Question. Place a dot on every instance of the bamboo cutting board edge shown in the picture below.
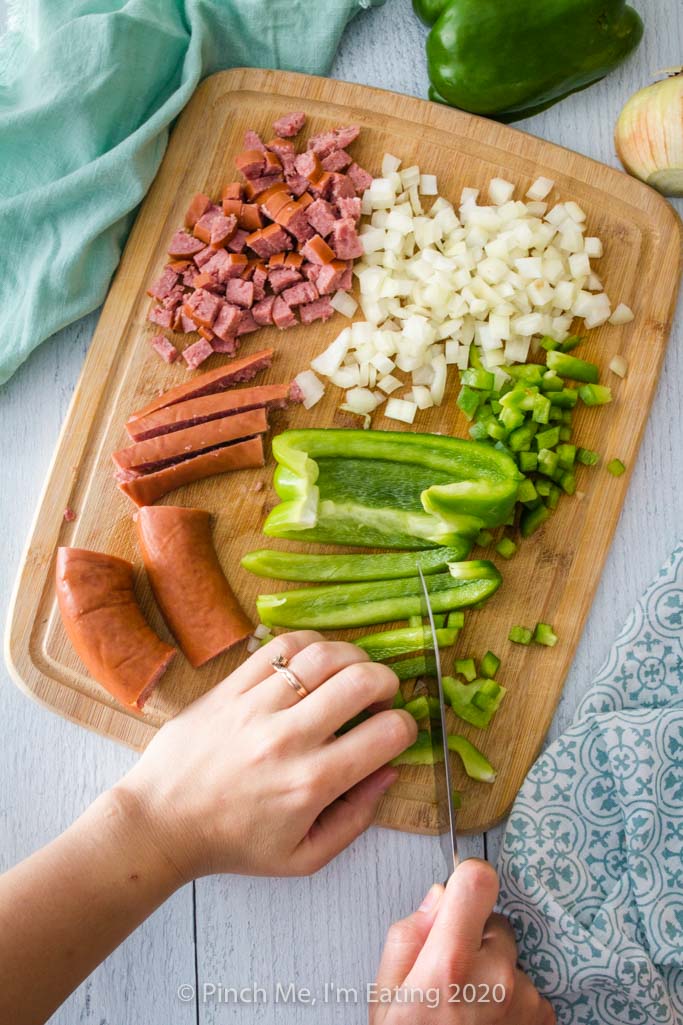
(25, 664)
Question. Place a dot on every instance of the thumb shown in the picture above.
(342, 821)
(406, 939)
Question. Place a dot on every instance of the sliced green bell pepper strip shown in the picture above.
(341, 606)
(388, 488)
(310, 568)
(404, 641)
(511, 60)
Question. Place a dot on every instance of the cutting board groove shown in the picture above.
(552, 578)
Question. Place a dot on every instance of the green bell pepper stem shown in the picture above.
(476, 702)
(385, 488)
(475, 764)
(404, 641)
(341, 606)
(572, 367)
(310, 568)
(515, 59)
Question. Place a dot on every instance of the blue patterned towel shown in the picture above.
(592, 861)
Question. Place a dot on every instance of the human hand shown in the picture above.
(453, 962)
(251, 779)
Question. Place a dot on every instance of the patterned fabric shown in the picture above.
(592, 861)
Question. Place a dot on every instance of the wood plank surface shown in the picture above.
(552, 579)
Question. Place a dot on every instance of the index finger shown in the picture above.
(458, 932)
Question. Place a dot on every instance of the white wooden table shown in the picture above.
(243, 932)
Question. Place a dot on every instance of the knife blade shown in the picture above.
(439, 735)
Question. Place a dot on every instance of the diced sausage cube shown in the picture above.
(247, 323)
(349, 207)
(197, 208)
(164, 348)
(251, 163)
(303, 292)
(361, 179)
(158, 315)
(263, 311)
(238, 242)
(164, 285)
(226, 323)
(252, 140)
(320, 309)
(330, 277)
(195, 354)
(317, 250)
(222, 230)
(203, 307)
(183, 244)
(337, 160)
(240, 292)
(270, 240)
(283, 277)
(321, 216)
(289, 124)
(283, 315)
(345, 240)
(339, 138)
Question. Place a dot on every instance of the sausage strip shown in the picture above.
(206, 408)
(189, 585)
(238, 370)
(105, 624)
(155, 453)
(152, 486)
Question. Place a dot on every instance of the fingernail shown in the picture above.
(430, 901)
(383, 779)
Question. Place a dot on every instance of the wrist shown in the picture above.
(132, 829)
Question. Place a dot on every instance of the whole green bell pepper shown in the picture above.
(512, 59)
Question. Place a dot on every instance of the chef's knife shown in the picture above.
(439, 736)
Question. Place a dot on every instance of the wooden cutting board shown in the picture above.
(553, 576)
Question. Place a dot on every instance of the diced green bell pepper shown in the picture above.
(572, 367)
(520, 635)
(489, 665)
(475, 702)
(544, 634)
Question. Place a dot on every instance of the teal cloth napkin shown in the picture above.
(88, 90)
(592, 860)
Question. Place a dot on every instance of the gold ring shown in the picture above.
(281, 665)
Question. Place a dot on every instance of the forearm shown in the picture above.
(63, 910)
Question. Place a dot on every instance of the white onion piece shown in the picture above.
(400, 409)
(253, 644)
(618, 366)
(261, 631)
(623, 314)
(540, 188)
(497, 274)
(311, 387)
(344, 303)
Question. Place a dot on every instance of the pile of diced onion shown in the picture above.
(498, 275)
